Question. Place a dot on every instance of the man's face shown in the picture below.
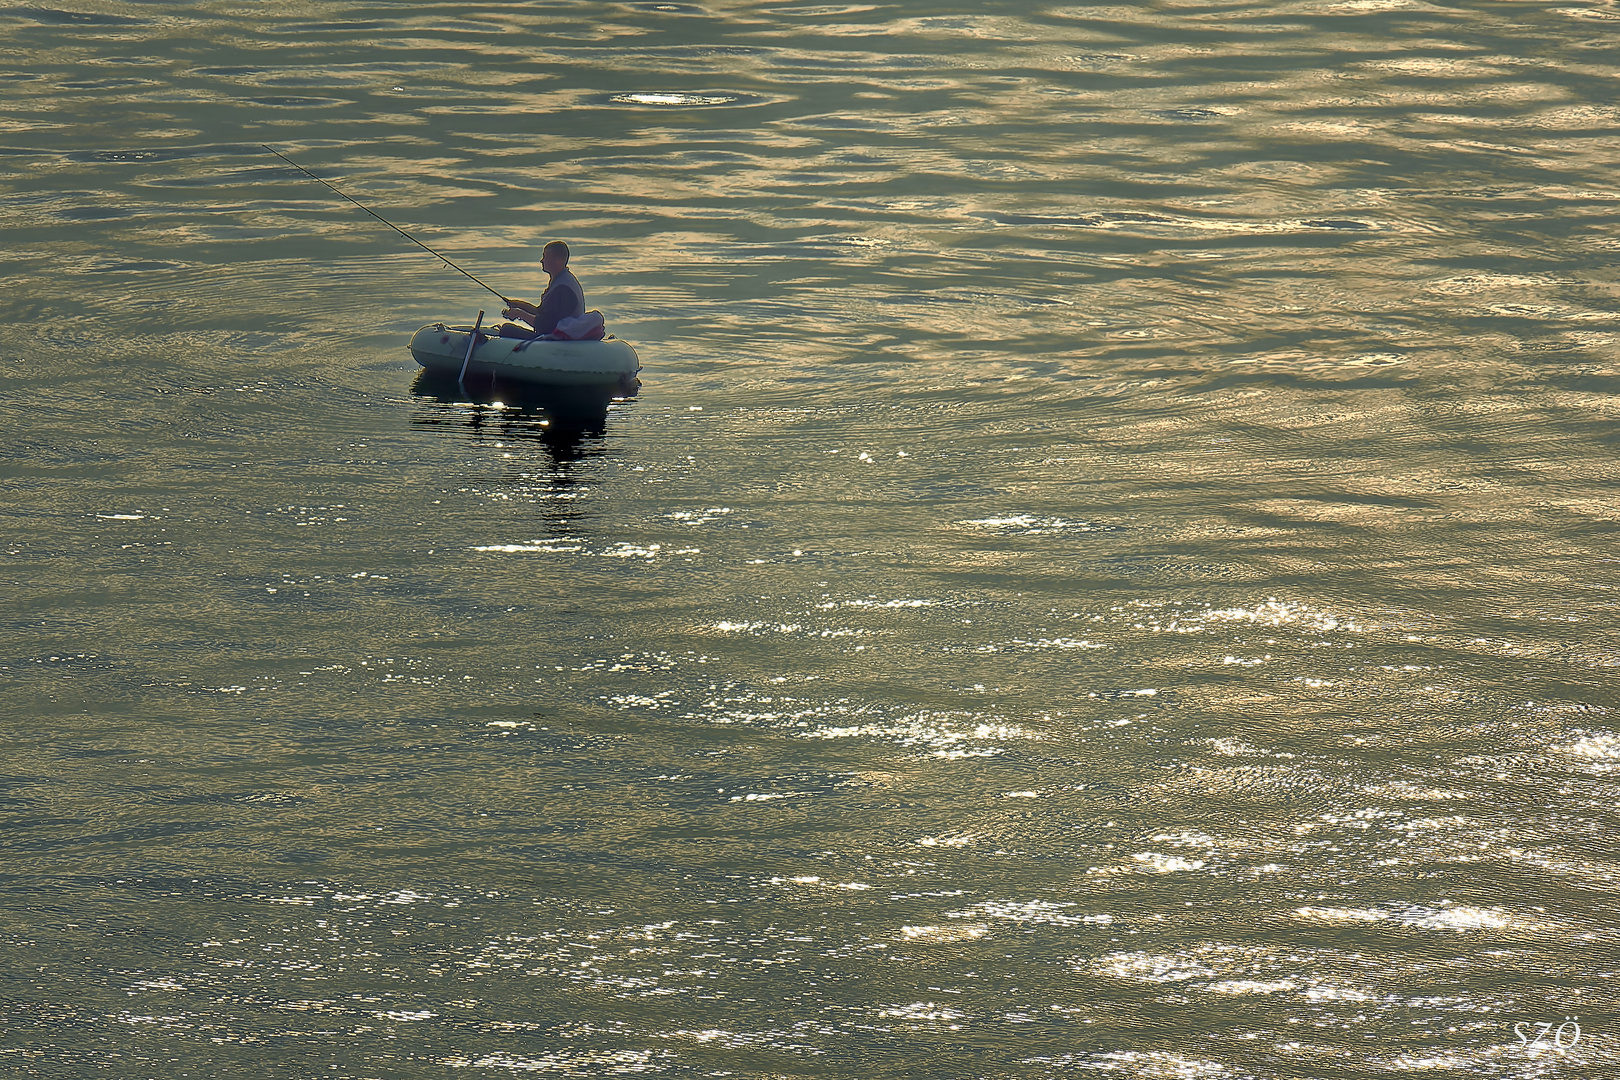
(552, 262)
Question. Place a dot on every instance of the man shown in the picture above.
(563, 298)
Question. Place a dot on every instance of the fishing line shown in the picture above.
(382, 219)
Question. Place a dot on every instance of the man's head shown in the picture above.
(554, 257)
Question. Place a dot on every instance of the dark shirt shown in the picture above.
(559, 302)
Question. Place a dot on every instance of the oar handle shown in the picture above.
(472, 343)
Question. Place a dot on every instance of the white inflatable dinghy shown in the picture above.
(441, 349)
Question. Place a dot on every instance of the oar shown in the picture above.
(472, 343)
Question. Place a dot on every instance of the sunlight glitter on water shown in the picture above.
(1150, 612)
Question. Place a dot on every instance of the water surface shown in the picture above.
(1110, 569)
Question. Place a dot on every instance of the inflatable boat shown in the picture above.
(441, 350)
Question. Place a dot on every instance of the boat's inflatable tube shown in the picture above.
(441, 349)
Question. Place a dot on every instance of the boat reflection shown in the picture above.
(569, 421)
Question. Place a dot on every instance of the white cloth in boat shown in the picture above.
(587, 327)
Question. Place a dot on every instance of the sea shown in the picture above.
(1110, 569)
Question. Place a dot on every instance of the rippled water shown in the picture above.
(1111, 569)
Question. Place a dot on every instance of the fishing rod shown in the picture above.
(382, 219)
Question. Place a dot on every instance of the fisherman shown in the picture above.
(563, 298)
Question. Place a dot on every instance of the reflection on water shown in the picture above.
(569, 421)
